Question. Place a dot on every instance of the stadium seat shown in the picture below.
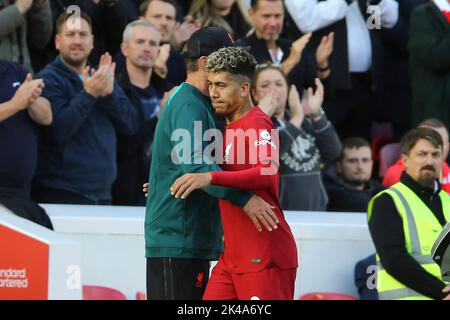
(102, 293)
(326, 296)
(380, 135)
(389, 154)
(376, 145)
(381, 130)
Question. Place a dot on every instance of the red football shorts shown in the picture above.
(267, 284)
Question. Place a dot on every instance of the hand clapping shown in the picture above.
(100, 83)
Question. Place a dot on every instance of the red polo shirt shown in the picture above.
(394, 172)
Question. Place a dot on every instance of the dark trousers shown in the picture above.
(52, 195)
(352, 111)
(176, 279)
(361, 277)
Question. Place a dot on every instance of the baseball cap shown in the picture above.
(206, 40)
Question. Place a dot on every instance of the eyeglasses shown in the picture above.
(269, 65)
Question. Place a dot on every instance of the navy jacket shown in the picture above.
(133, 165)
(302, 75)
(18, 137)
(78, 152)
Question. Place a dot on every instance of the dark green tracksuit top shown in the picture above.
(188, 228)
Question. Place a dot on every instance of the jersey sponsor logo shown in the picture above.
(226, 158)
(265, 136)
(265, 142)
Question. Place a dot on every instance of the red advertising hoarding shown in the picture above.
(24, 263)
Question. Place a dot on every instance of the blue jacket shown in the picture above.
(78, 151)
(18, 137)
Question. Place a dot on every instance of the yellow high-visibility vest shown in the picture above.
(421, 229)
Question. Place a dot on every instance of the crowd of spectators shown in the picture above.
(362, 66)
(97, 146)
(79, 106)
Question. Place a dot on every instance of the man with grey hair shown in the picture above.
(183, 236)
(145, 90)
(254, 264)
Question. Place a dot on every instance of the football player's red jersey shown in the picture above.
(251, 163)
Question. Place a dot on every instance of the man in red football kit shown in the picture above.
(394, 172)
(255, 264)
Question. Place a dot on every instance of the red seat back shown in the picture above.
(102, 293)
(141, 295)
(326, 296)
(389, 154)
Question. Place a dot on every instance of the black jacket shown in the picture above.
(133, 165)
(108, 24)
(429, 47)
(386, 228)
(344, 197)
(394, 88)
(303, 74)
(340, 74)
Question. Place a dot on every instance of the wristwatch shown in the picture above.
(323, 69)
(316, 116)
(110, 3)
(373, 2)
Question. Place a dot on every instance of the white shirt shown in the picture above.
(276, 60)
(358, 40)
(312, 15)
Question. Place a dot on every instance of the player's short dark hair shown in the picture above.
(190, 64)
(144, 6)
(410, 139)
(63, 17)
(352, 143)
(234, 60)
(254, 3)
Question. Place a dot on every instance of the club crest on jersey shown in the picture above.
(226, 157)
(265, 139)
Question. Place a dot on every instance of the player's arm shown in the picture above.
(249, 179)
(192, 156)
(258, 210)
(262, 175)
(263, 151)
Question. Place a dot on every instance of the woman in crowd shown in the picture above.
(306, 137)
(229, 14)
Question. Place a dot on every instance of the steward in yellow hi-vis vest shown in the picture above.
(406, 219)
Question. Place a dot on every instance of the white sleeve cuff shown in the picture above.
(389, 13)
